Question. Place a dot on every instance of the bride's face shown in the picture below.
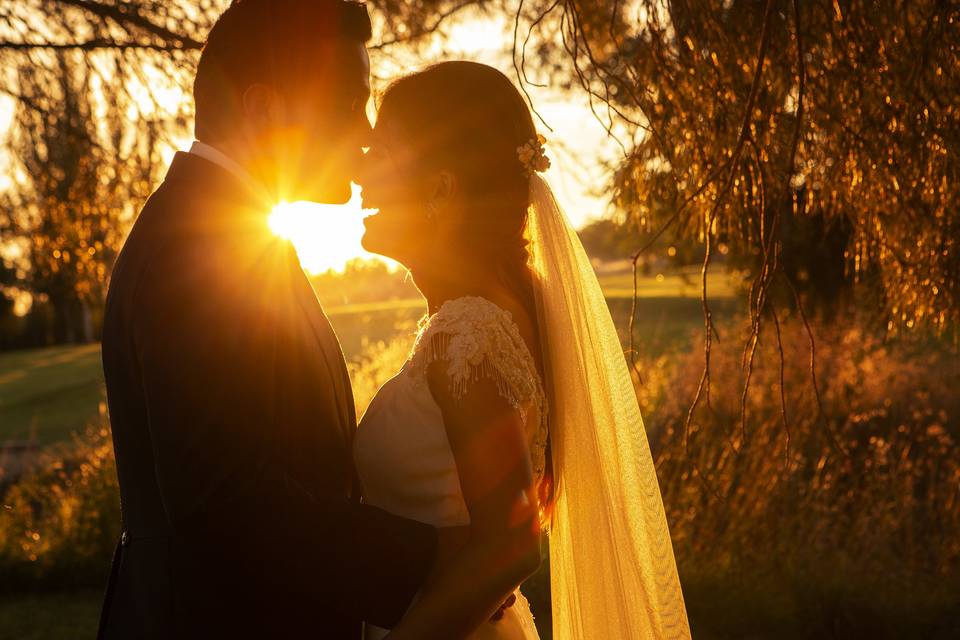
(393, 184)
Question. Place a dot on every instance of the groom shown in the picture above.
(231, 408)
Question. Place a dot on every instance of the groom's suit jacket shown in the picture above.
(233, 423)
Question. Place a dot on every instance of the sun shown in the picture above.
(325, 236)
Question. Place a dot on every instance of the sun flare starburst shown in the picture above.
(325, 236)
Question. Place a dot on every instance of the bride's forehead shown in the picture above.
(386, 131)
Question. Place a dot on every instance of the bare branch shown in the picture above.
(520, 70)
(708, 252)
(128, 17)
(99, 43)
(435, 26)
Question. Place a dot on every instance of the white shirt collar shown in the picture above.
(217, 157)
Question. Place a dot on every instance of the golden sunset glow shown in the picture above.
(719, 360)
(325, 236)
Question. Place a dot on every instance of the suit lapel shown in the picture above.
(237, 207)
(330, 349)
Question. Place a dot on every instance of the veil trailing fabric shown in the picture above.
(613, 571)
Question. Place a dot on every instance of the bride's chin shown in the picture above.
(388, 236)
(367, 243)
(371, 241)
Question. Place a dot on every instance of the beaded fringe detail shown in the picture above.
(479, 340)
(460, 380)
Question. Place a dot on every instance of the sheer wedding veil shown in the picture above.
(613, 571)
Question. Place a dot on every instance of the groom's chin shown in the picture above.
(365, 242)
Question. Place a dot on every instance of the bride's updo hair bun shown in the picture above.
(469, 119)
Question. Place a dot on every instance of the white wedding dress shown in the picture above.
(401, 448)
(613, 574)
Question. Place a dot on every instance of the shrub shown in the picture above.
(59, 523)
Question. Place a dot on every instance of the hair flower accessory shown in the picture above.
(532, 156)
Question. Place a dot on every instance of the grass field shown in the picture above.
(48, 394)
(57, 616)
(839, 559)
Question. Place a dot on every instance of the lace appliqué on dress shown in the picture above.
(479, 340)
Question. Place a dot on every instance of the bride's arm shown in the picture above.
(502, 543)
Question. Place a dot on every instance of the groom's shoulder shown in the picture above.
(196, 232)
(189, 188)
(200, 205)
(196, 185)
(191, 234)
(168, 228)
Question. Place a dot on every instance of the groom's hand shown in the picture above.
(450, 540)
(503, 608)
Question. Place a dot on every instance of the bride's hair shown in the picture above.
(469, 119)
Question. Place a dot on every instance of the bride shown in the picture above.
(515, 412)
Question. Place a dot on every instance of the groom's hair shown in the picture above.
(274, 42)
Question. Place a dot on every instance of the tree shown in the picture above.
(745, 120)
(7, 318)
(100, 87)
(86, 171)
(758, 118)
(739, 119)
(88, 79)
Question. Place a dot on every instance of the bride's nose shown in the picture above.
(364, 131)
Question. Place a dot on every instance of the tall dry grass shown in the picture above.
(378, 362)
(851, 530)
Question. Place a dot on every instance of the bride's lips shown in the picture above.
(368, 204)
(369, 207)
(369, 212)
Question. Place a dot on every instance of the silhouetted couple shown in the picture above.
(253, 505)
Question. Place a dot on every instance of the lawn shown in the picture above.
(57, 616)
(48, 394)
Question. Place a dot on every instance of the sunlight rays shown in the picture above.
(325, 236)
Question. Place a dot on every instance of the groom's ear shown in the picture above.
(441, 189)
(262, 106)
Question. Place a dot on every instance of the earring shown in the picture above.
(431, 210)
